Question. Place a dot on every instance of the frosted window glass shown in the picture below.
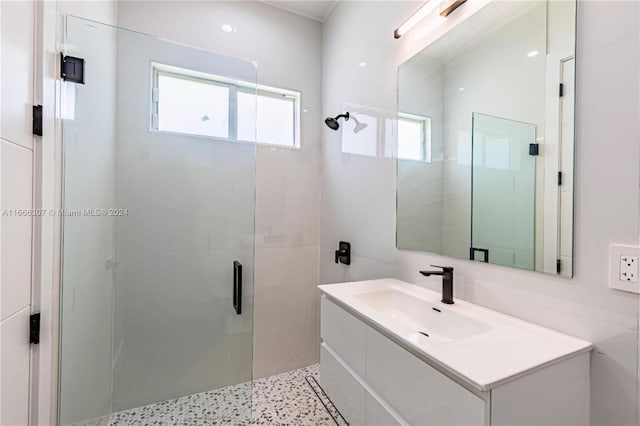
(275, 121)
(247, 116)
(194, 107)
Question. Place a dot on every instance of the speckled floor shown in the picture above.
(284, 399)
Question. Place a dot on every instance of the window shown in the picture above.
(414, 137)
(195, 103)
(276, 121)
(192, 106)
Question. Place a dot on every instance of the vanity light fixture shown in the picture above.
(449, 8)
(415, 18)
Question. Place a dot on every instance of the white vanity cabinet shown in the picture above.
(375, 378)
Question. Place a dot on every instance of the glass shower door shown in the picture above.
(503, 192)
(158, 232)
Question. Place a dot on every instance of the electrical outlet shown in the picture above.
(623, 268)
(628, 268)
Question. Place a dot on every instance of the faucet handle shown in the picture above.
(444, 268)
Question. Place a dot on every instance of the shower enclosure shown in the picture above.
(503, 192)
(158, 227)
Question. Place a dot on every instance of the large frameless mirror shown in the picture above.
(486, 139)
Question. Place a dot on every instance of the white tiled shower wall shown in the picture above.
(358, 197)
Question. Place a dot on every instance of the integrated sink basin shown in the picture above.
(436, 321)
(479, 346)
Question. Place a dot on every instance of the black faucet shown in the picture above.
(447, 282)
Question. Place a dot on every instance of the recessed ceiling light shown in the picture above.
(533, 53)
(227, 28)
(461, 89)
(305, 110)
(362, 64)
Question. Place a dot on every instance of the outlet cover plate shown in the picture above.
(616, 279)
(629, 268)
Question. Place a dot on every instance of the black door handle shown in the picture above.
(237, 287)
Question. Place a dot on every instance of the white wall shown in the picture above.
(287, 49)
(359, 192)
(16, 159)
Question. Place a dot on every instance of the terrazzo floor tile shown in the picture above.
(284, 399)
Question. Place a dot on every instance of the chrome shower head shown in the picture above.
(333, 123)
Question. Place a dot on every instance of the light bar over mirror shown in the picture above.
(446, 8)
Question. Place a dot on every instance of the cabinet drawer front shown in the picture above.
(418, 392)
(344, 333)
(342, 388)
(555, 395)
(376, 415)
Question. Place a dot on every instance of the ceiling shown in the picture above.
(314, 9)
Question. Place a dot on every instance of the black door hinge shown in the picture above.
(558, 266)
(534, 149)
(561, 90)
(72, 69)
(34, 328)
(559, 178)
(37, 120)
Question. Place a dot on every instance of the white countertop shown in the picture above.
(487, 348)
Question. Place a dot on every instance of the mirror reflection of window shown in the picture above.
(414, 137)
